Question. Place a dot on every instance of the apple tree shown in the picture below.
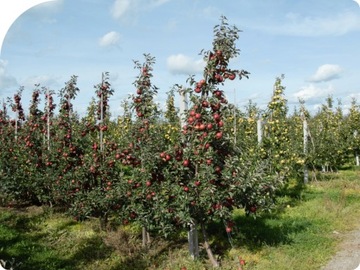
(140, 150)
(328, 150)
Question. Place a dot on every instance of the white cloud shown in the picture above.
(120, 7)
(326, 73)
(6, 80)
(110, 39)
(313, 93)
(182, 64)
(297, 25)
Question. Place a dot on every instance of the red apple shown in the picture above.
(215, 107)
(218, 93)
(219, 78)
(125, 221)
(218, 135)
(232, 76)
(216, 117)
(205, 104)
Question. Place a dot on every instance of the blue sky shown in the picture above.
(314, 43)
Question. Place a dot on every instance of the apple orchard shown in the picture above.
(168, 170)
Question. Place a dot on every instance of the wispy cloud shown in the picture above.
(6, 80)
(157, 3)
(120, 7)
(43, 80)
(182, 64)
(111, 39)
(294, 24)
(326, 73)
(124, 8)
(45, 11)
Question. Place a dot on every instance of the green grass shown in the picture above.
(302, 233)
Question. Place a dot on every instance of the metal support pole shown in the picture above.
(48, 119)
(193, 237)
(259, 131)
(101, 114)
(306, 137)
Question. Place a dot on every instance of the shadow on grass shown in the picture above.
(273, 229)
(22, 240)
(26, 249)
(256, 233)
(152, 256)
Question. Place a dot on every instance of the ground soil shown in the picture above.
(348, 255)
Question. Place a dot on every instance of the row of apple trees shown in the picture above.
(165, 169)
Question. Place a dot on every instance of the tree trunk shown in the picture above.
(103, 222)
(145, 237)
(208, 248)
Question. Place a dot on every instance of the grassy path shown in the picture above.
(348, 255)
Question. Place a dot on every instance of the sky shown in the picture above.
(314, 43)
